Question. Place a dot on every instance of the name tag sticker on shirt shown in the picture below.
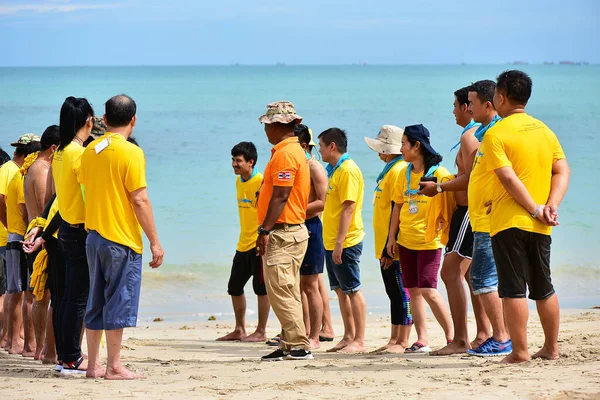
(101, 146)
(413, 208)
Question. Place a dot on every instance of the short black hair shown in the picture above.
(484, 89)
(246, 149)
(4, 157)
(515, 85)
(337, 136)
(462, 95)
(29, 148)
(120, 110)
(303, 134)
(51, 136)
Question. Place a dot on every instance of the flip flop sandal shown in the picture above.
(418, 347)
(274, 341)
(325, 339)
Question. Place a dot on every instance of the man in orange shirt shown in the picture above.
(282, 235)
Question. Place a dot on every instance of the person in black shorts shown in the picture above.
(246, 263)
(533, 174)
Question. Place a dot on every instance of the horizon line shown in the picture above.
(281, 64)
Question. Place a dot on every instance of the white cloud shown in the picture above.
(56, 6)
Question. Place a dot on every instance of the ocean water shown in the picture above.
(190, 117)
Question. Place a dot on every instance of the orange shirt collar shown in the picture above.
(284, 143)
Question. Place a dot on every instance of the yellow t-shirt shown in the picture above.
(66, 166)
(414, 225)
(382, 206)
(7, 172)
(345, 184)
(530, 148)
(109, 178)
(14, 197)
(246, 199)
(481, 184)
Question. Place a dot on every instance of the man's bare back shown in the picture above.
(35, 187)
(318, 189)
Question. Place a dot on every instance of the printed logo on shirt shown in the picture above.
(284, 176)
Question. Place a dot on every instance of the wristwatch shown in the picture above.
(439, 187)
(263, 231)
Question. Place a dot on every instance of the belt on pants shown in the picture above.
(284, 227)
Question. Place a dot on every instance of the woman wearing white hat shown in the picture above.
(387, 144)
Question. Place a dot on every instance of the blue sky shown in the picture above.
(222, 32)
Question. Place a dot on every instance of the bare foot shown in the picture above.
(477, 342)
(122, 374)
(396, 349)
(343, 343)
(353, 347)
(515, 359)
(547, 354)
(16, 348)
(458, 347)
(385, 347)
(255, 337)
(235, 335)
(49, 360)
(28, 353)
(38, 355)
(314, 344)
(98, 372)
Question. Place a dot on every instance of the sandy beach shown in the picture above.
(184, 361)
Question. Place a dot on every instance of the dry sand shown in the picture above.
(184, 361)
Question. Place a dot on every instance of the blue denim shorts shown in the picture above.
(115, 283)
(347, 275)
(483, 276)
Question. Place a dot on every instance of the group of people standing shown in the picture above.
(73, 204)
(494, 218)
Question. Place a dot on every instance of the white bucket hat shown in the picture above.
(388, 140)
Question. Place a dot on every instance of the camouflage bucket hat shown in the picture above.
(280, 111)
(99, 128)
(25, 139)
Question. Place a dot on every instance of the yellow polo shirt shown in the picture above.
(7, 172)
(246, 198)
(14, 197)
(66, 167)
(345, 184)
(109, 177)
(414, 225)
(530, 148)
(382, 206)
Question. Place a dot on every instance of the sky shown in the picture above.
(313, 32)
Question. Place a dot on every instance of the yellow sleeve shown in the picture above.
(349, 185)
(20, 189)
(135, 174)
(398, 192)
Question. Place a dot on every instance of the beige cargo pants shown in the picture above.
(281, 264)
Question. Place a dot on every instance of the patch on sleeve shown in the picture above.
(284, 176)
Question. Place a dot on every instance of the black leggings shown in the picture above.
(399, 297)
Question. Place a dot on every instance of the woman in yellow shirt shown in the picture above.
(420, 258)
(76, 121)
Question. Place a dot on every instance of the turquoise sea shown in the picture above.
(190, 117)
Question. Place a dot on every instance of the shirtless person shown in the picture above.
(35, 191)
(315, 301)
(459, 249)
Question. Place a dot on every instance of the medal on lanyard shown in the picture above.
(413, 207)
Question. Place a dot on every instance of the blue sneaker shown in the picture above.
(492, 348)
